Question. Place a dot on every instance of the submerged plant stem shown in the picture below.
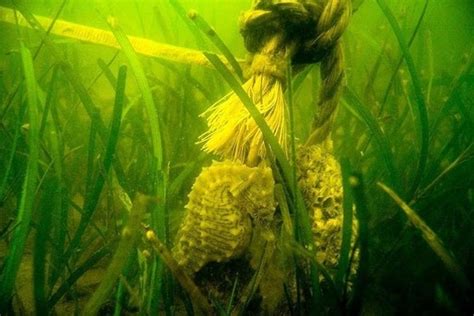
(25, 210)
(358, 194)
(186, 282)
(344, 258)
(431, 238)
(130, 235)
(359, 110)
(420, 101)
(201, 24)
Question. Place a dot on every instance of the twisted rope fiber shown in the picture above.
(331, 25)
(323, 45)
(277, 33)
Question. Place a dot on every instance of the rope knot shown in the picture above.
(314, 26)
(275, 34)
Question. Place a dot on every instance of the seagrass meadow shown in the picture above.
(238, 157)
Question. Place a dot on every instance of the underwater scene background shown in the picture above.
(125, 189)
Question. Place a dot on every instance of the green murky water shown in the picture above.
(104, 203)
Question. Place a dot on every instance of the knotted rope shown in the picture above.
(277, 33)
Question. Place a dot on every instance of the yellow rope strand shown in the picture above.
(233, 133)
(101, 37)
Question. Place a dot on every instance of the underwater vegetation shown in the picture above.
(280, 157)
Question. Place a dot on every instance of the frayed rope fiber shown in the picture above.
(277, 33)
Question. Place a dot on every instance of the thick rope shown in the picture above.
(275, 33)
(105, 38)
(331, 25)
(332, 76)
(319, 26)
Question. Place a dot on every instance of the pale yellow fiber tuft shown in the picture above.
(233, 133)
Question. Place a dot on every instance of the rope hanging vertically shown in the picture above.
(277, 33)
(331, 25)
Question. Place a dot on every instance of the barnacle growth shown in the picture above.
(224, 201)
(319, 178)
